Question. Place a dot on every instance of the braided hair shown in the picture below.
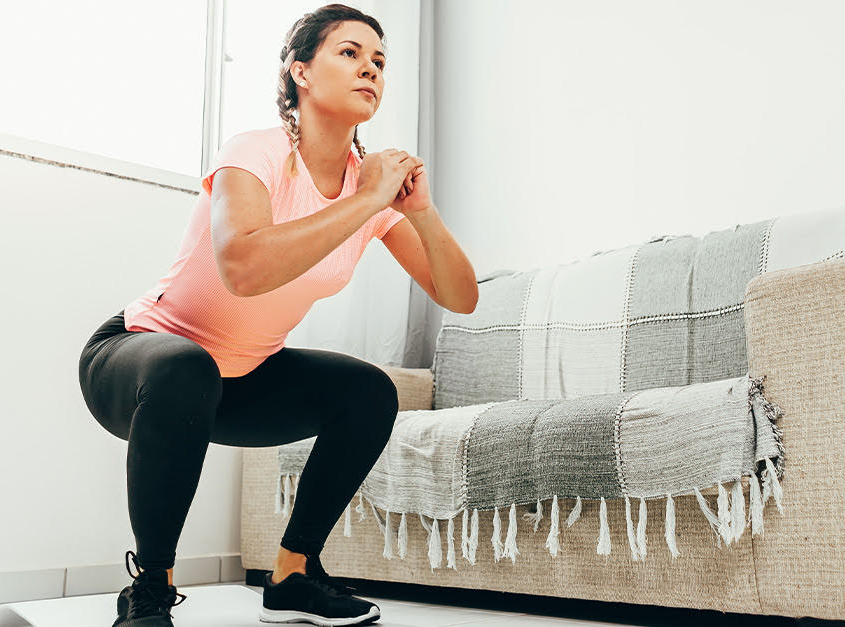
(301, 44)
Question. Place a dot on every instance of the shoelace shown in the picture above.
(145, 599)
(316, 570)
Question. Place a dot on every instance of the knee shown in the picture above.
(378, 395)
(188, 375)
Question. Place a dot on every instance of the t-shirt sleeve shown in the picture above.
(391, 217)
(247, 151)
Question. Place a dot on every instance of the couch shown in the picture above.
(787, 278)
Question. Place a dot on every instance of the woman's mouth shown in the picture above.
(366, 93)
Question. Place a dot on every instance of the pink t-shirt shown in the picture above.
(241, 332)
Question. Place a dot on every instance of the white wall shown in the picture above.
(77, 246)
(623, 120)
(565, 127)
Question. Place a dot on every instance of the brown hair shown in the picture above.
(301, 44)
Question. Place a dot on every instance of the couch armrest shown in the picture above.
(414, 385)
(795, 336)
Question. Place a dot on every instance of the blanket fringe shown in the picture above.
(537, 516)
(450, 552)
(728, 524)
(670, 527)
(708, 513)
(403, 537)
(773, 485)
(603, 547)
(510, 541)
(497, 535)
(641, 542)
(772, 412)
(724, 515)
(473, 539)
(464, 538)
(360, 507)
(738, 520)
(575, 514)
(553, 540)
(435, 551)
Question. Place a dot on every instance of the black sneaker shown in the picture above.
(302, 598)
(147, 602)
(314, 568)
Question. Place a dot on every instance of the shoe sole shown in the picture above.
(294, 616)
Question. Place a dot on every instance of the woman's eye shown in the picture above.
(380, 64)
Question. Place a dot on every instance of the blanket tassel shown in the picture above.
(670, 527)
(641, 523)
(708, 513)
(360, 507)
(603, 547)
(435, 554)
(773, 486)
(497, 535)
(464, 538)
(553, 541)
(575, 513)
(535, 517)
(450, 552)
(724, 515)
(738, 521)
(511, 550)
(403, 537)
(473, 537)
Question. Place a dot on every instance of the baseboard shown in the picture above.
(54, 583)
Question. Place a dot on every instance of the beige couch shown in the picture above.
(795, 333)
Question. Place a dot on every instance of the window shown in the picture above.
(118, 79)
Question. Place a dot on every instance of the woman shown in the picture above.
(200, 358)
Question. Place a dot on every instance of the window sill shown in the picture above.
(22, 148)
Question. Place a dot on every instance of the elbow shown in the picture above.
(467, 311)
(234, 279)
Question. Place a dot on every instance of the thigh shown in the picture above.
(118, 369)
(293, 393)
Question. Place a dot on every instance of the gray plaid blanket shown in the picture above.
(655, 443)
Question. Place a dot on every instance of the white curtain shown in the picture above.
(382, 315)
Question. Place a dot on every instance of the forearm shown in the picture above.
(278, 254)
(452, 274)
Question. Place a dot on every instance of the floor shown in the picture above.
(236, 604)
(428, 606)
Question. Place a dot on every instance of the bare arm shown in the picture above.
(272, 256)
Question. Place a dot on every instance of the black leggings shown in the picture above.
(163, 394)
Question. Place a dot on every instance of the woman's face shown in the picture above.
(340, 69)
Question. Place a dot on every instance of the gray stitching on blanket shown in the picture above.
(617, 443)
(524, 308)
(625, 321)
